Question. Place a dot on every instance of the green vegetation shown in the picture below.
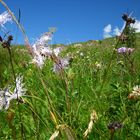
(90, 90)
(96, 81)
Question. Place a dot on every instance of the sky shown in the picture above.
(75, 20)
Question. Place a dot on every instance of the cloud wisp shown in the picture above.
(107, 31)
(136, 25)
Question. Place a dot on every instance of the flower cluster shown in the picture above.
(42, 50)
(4, 18)
(124, 50)
(6, 95)
(61, 64)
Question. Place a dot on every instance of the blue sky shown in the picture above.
(75, 20)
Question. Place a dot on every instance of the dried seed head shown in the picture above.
(54, 135)
(64, 129)
(135, 93)
(93, 118)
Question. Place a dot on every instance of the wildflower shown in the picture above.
(114, 126)
(4, 99)
(98, 65)
(38, 60)
(124, 50)
(129, 50)
(61, 64)
(4, 18)
(41, 49)
(43, 40)
(19, 90)
(57, 50)
(93, 118)
(135, 93)
(41, 43)
(6, 95)
(81, 54)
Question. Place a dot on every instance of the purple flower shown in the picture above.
(122, 50)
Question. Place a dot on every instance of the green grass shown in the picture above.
(89, 88)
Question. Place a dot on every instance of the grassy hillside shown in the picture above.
(93, 92)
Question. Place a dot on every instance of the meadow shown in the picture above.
(86, 90)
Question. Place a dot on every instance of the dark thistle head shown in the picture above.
(1, 39)
(128, 19)
(125, 17)
(114, 126)
(7, 43)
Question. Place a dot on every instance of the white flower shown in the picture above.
(41, 49)
(46, 51)
(4, 102)
(19, 90)
(6, 95)
(5, 17)
(43, 40)
(61, 64)
(39, 60)
(98, 65)
(57, 50)
(41, 55)
(81, 54)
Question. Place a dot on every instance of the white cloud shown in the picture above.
(117, 31)
(137, 25)
(107, 28)
(107, 31)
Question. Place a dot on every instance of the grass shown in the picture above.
(88, 89)
(89, 100)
